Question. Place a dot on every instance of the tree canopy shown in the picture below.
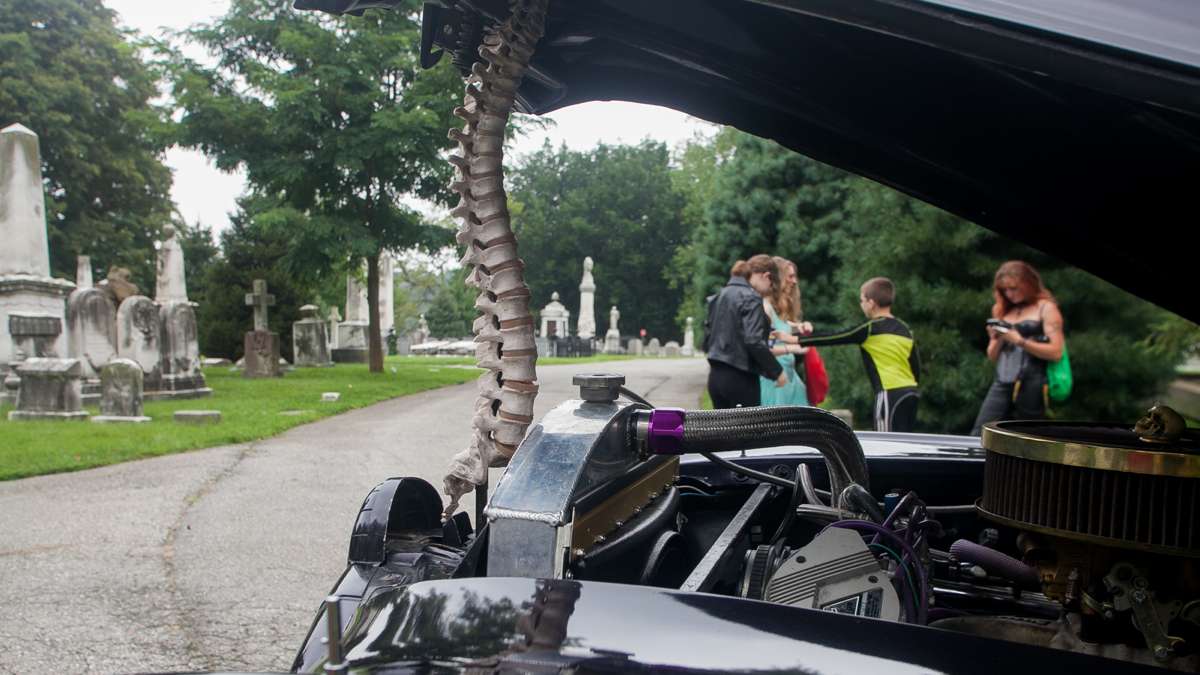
(335, 124)
(615, 203)
(69, 74)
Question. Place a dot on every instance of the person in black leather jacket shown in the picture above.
(737, 334)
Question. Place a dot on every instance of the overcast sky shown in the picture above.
(206, 195)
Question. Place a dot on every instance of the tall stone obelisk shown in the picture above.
(32, 310)
(586, 326)
(181, 374)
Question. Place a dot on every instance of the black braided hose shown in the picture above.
(707, 431)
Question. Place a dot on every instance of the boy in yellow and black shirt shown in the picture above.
(889, 355)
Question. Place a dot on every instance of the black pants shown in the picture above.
(896, 409)
(730, 387)
(1000, 403)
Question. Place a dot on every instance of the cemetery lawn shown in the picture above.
(250, 410)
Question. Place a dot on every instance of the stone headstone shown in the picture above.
(671, 349)
(634, 347)
(330, 397)
(352, 342)
(121, 392)
(586, 326)
(83, 272)
(91, 329)
(32, 311)
(334, 318)
(181, 374)
(403, 345)
(197, 416)
(612, 338)
(689, 338)
(310, 343)
(261, 345)
(654, 347)
(544, 348)
(139, 337)
(50, 389)
(556, 319)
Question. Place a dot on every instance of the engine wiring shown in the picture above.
(910, 598)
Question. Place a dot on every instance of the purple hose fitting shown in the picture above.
(997, 563)
(666, 431)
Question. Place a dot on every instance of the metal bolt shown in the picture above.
(1139, 596)
(448, 30)
(600, 539)
(637, 510)
(1162, 653)
(1140, 582)
(619, 523)
(578, 552)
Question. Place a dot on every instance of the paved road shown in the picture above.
(217, 559)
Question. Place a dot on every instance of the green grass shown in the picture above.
(250, 410)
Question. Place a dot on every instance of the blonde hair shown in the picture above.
(786, 302)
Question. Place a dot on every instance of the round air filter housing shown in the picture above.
(1094, 482)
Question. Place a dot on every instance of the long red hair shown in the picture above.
(1026, 278)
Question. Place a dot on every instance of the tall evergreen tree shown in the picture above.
(69, 74)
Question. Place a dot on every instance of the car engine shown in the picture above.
(1074, 536)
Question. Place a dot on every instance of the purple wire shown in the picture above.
(869, 527)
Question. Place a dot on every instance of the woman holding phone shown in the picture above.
(1024, 333)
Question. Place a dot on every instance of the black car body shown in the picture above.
(1071, 125)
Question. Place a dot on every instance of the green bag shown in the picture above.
(1058, 377)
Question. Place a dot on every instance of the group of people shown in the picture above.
(756, 341)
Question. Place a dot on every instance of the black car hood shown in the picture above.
(527, 624)
(1070, 125)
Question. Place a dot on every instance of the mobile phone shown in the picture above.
(999, 325)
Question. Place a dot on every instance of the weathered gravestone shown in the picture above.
(310, 343)
(51, 389)
(352, 333)
(261, 345)
(585, 326)
(181, 374)
(31, 302)
(654, 347)
(634, 347)
(403, 345)
(689, 338)
(612, 338)
(91, 330)
(121, 392)
(671, 349)
(139, 337)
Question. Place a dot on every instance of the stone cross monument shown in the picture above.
(32, 311)
(261, 345)
(586, 327)
(612, 339)
(181, 374)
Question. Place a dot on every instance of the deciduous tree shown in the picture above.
(335, 124)
(72, 76)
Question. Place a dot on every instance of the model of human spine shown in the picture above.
(504, 337)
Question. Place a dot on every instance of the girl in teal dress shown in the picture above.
(787, 298)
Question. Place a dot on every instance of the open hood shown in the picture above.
(1070, 125)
